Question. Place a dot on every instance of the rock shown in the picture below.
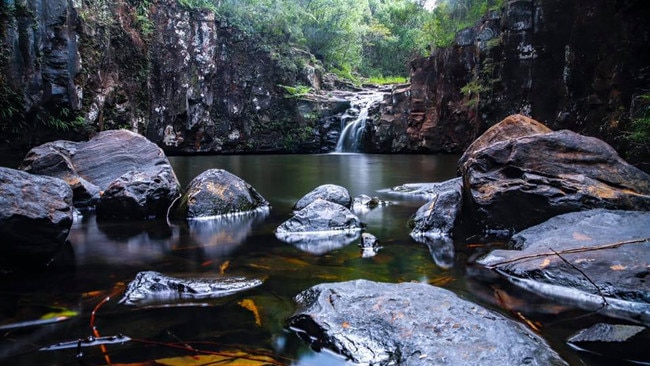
(566, 257)
(321, 216)
(327, 192)
(151, 287)
(511, 127)
(35, 214)
(523, 181)
(369, 245)
(134, 174)
(439, 215)
(614, 342)
(412, 324)
(365, 201)
(425, 190)
(217, 192)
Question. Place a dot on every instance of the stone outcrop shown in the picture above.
(412, 324)
(518, 182)
(120, 172)
(35, 215)
(439, 215)
(217, 192)
(596, 260)
(328, 192)
(569, 64)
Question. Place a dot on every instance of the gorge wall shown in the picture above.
(184, 78)
(581, 65)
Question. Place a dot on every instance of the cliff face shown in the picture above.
(571, 64)
(184, 78)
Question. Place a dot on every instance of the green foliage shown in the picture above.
(640, 127)
(297, 91)
(386, 80)
(474, 87)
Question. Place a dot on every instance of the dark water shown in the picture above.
(103, 257)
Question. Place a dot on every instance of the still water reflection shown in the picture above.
(104, 256)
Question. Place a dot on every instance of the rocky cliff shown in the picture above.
(185, 78)
(571, 64)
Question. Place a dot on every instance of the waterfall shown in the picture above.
(353, 121)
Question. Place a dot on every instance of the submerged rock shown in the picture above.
(35, 214)
(151, 287)
(596, 260)
(425, 190)
(412, 324)
(522, 181)
(217, 192)
(121, 172)
(327, 192)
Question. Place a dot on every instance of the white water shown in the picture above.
(353, 121)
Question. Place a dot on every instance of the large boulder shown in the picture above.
(35, 214)
(438, 216)
(327, 192)
(121, 172)
(522, 181)
(412, 324)
(597, 260)
(217, 192)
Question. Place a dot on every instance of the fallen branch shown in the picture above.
(600, 293)
(568, 251)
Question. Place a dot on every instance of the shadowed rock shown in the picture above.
(522, 181)
(595, 260)
(327, 192)
(217, 192)
(321, 216)
(35, 214)
(151, 287)
(438, 216)
(412, 324)
(121, 172)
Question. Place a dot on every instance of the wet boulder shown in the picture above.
(522, 181)
(412, 324)
(149, 287)
(321, 216)
(426, 190)
(596, 260)
(369, 245)
(35, 214)
(439, 215)
(122, 173)
(328, 192)
(217, 192)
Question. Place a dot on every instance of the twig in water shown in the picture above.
(586, 277)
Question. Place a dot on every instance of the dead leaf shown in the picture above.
(223, 267)
(345, 325)
(250, 305)
(581, 237)
(222, 358)
(618, 267)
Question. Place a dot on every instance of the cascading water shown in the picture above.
(353, 121)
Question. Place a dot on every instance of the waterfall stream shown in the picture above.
(353, 121)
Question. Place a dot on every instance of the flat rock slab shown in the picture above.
(150, 287)
(582, 257)
(412, 324)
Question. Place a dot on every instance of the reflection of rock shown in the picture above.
(151, 287)
(412, 324)
(217, 192)
(438, 216)
(319, 243)
(35, 214)
(440, 247)
(219, 236)
(565, 257)
(327, 192)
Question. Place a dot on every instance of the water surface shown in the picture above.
(104, 256)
